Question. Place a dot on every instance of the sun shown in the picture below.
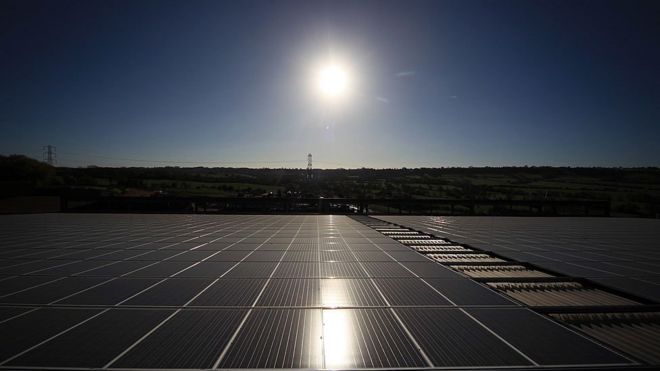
(333, 81)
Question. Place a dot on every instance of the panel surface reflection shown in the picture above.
(366, 338)
(278, 338)
(349, 292)
(338, 339)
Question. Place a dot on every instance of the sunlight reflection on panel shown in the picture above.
(334, 293)
(338, 338)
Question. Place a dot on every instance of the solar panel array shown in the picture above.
(627, 321)
(201, 291)
(621, 253)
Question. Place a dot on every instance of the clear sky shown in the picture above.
(431, 83)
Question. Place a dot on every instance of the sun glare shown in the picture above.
(338, 339)
(333, 81)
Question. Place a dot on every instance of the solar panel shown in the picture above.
(191, 339)
(540, 338)
(260, 291)
(277, 338)
(95, 342)
(367, 338)
(634, 333)
(619, 252)
(36, 326)
(452, 339)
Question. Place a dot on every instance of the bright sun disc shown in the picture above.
(333, 81)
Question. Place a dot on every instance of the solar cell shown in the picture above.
(247, 246)
(112, 255)
(273, 246)
(73, 268)
(170, 292)
(206, 269)
(230, 292)
(122, 267)
(111, 292)
(193, 255)
(349, 293)
(291, 293)
(265, 256)
(409, 291)
(337, 256)
(10, 285)
(229, 255)
(154, 255)
(342, 270)
(9, 312)
(297, 270)
(252, 270)
(33, 266)
(52, 291)
(301, 256)
(160, 269)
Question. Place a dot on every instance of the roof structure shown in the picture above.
(122, 291)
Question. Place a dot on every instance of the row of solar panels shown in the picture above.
(620, 322)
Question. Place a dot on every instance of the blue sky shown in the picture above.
(433, 83)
